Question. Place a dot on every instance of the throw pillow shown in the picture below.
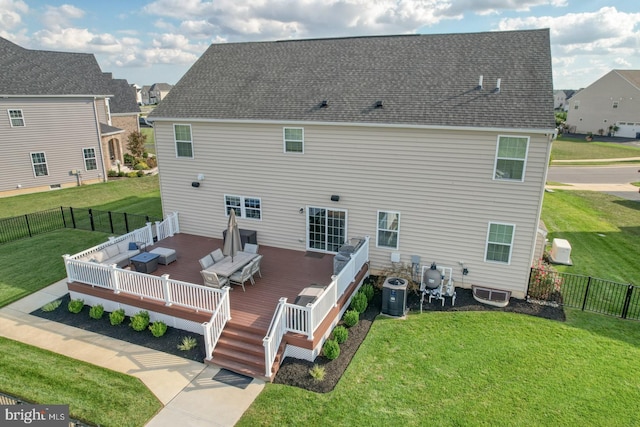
(133, 246)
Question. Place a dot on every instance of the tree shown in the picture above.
(135, 144)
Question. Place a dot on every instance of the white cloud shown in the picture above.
(11, 12)
(494, 7)
(60, 17)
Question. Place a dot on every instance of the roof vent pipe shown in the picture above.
(480, 82)
(498, 85)
(378, 104)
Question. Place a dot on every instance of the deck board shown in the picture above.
(284, 274)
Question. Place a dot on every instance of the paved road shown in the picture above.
(608, 179)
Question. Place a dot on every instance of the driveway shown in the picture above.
(614, 180)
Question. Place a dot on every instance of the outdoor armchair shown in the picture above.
(240, 277)
(211, 279)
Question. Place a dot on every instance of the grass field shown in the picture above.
(577, 149)
(475, 368)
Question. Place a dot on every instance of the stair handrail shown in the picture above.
(275, 333)
(213, 328)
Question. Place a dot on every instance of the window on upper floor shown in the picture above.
(511, 158)
(39, 163)
(90, 162)
(615, 104)
(245, 207)
(576, 105)
(499, 242)
(293, 140)
(16, 118)
(388, 229)
(184, 141)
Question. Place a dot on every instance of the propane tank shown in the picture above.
(432, 277)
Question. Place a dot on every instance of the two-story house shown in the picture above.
(610, 105)
(56, 124)
(158, 91)
(435, 146)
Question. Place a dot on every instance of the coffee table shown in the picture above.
(145, 262)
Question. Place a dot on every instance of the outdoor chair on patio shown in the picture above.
(217, 255)
(240, 277)
(255, 267)
(211, 279)
(251, 248)
(206, 262)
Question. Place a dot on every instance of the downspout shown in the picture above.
(95, 113)
(550, 137)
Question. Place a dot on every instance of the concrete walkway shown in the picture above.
(186, 389)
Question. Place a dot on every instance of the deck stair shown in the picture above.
(240, 350)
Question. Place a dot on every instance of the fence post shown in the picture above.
(66, 258)
(126, 222)
(586, 292)
(73, 217)
(627, 301)
(167, 291)
(110, 221)
(93, 227)
(64, 220)
(26, 220)
(115, 279)
(150, 237)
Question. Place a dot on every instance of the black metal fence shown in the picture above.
(35, 223)
(585, 292)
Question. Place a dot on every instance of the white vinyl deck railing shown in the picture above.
(213, 328)
(306, 319)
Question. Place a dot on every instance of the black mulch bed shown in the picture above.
(168, 343)
(295, 372)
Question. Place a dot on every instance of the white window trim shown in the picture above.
(378, 229)
(486, 243)
(284, 140)
(308, 227)
(243, 208)
(24, 123)
(524, 165)
(84, 159)
(33, 165)
(175, 141)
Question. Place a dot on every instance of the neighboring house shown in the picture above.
(158, 92)
(124, 115)
(138, 91)
(561, 98)
(611, 101)
(144, 95)
(422, 142)
(57, 120)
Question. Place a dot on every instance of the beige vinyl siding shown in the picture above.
(60, 128)
(441, 182)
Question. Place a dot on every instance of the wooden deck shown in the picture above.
(284, 274)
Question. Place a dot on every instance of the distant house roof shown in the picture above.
(38, 72)
(164, 87)
(632, 76)
(413, 79)
(124, 97)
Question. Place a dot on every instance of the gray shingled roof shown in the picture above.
(420, 79)
(124, 97)
(106, 129)
(39, 72)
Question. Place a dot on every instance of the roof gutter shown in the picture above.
(543, 131)
(79, 95)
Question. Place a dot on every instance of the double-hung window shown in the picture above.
(245, 207)
(89, 155)
(511, 158)
(388, 229)
(184, 141)
(39, 162)
(16, 118)
(499, 242)
(293, 140)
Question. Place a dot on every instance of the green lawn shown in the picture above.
(475, 368)
(577, 149)
(94, 394)
(603, 230)
(150, 143)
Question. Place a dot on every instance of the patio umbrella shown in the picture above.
(232, 243)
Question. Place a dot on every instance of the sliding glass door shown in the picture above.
(327, 229)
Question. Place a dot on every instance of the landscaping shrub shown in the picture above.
(141, 166)
(117, 317)
(359, 302)
(140, 174)
(158, 329)
(75, 305)
(351, 318)
(112, 173)
(140, 321)
(121, 174)
(187, 343)
(340, 334)
(152, 162)
(132, 174)
(96, 311)
(368, 290)
(317, 372)
(331, 349)
(128, 159)
(50, 306)
(544, 282)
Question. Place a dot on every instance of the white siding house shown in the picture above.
(55, 120)
(411, 140)
(611, 101)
